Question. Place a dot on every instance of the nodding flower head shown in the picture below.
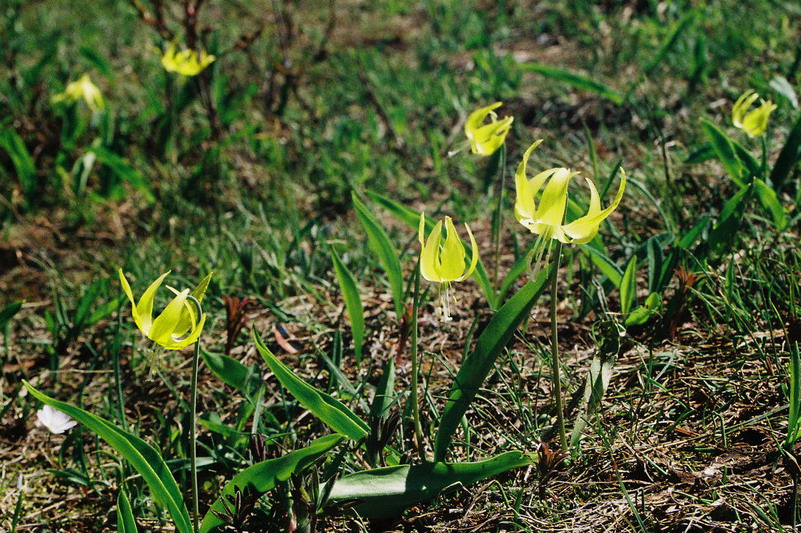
(486, 138)
(753, 122)
(178, 325)
(547, 218)
(186, 62)
(442, 259)
(82, 89)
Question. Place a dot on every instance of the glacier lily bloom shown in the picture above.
(82, 89)
(547, 218)
(484, 139)
(54, 420)
(754, 122)
(186, 62)
(177, 326)
(442, 260)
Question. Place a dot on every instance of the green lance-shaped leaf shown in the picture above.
(7, 313)
(328, 409)
(628, 287)
(795, 398)
(724, 150)
(230, 371)
(770, 201)
(607, 267)
(411, 217)
(23, 163)
(384, 249)
(477, 366)
(353, 303)
(787, 158)
(142, 457)
(125, 517)
(266, 475)
(577, 81)
(384, 392)
(387, 492)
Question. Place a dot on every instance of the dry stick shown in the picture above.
(557, 384)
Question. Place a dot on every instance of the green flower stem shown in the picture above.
(418, 429)
(498, 219)
(193, 424)
(193, 435)
(557, 382)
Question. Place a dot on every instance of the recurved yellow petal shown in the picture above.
(584, 229)
(474, 258)
(126, 287)
(194, 335)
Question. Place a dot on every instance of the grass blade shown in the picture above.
(577, 81)
(142, 457)
(353, 303)
(477, 366)
(266, 475)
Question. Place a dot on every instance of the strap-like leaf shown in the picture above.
(230, 371)
(125, 517)
(477, 366)
(142, 457)
(387, 492)
(386, 252)
(353, 303)
(724, 150)
(263, 477)
(328, 409)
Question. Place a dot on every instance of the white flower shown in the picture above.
(54, 420)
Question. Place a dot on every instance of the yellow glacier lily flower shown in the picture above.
(177, 326)
(547, 218)
(84, 89)
(486, 138)
(186, 62)
(442, 260)
(754, 122)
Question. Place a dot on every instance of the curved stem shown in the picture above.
(498, 219)
(557, 382)
(193, 425)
